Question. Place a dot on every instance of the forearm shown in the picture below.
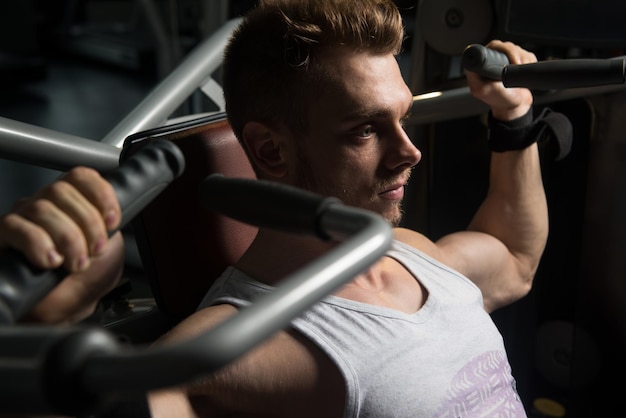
(515, 209)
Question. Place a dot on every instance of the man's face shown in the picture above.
(356, 148)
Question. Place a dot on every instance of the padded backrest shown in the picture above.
(184, 247)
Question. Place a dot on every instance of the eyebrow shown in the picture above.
(375, 114)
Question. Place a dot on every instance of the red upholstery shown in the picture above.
(184, 247)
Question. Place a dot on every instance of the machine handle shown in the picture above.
(485, 62)
(544, 75)
(276, 206)
(136, 181)
(81, 369)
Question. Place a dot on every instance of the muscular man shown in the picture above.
(315, 95)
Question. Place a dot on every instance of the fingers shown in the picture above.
(26, 236)
(98, 192)
(66, 223)
(515, 53)
(505, 103)
(76, 297)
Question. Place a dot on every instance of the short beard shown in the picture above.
(306, 181)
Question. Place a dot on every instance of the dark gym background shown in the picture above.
(80, 66)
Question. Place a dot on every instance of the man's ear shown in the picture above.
(264, 146)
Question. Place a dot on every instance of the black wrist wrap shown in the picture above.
(524, 131)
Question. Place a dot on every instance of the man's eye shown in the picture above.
(367, 131)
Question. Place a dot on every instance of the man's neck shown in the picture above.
(273, 255)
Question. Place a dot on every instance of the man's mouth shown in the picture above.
(395, 192)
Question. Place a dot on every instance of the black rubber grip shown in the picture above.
(136, 182)
(484, 61)
(544, 75)
(265, 204)
(139, 179)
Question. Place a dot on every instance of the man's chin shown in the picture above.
(391, 213)
(393, 216)
(394, 222)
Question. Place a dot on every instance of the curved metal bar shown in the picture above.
(271, 312)
(52, 149)
(170, 93)
(75, 370)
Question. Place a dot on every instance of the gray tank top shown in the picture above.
(445, 360)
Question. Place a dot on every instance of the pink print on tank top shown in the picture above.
(483, 388)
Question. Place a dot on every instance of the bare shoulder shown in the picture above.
(458, 250)
(417, 240)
